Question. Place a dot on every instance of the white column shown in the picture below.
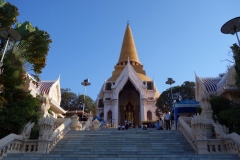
(115, 113)
(105, 112)
(142, 109)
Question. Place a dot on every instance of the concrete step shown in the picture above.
(118, 157)
(132, 144)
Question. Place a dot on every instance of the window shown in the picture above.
(108, 86)
(100, 103)
(149, 86)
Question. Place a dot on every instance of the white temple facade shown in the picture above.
(49, 89)
(128, 94)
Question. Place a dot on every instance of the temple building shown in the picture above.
(49, 89)
(222, 85)
(128, 95)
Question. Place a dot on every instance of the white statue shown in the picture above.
(45, 105)
(205, 104)
(198, 127)
(96, 124)
(90, 117)
(76, 125)
(90, 124)
(220, 130)
(87, 125)
(27, 130)
(46, 127)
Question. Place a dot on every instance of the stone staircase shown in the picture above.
(129, 144)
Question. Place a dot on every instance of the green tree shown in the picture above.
(8, 14)
(179, 93)
(17, 107)
(70, 101)
(33, 47)
(226, 112)
(17, 112)
(88, 102)
(187, 90)
(236, 55)
(219, 104)
(28, 54)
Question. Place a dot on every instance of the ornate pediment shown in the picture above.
(55, 92)
(128, 74)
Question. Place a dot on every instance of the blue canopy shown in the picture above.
(186, 106)
(98, 118)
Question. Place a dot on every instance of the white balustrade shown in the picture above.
(15, 144)
(209, 146)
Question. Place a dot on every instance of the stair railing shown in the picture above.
(186, 130)
(229, 145)
(46, 145)
(16, 144)
(58, 134)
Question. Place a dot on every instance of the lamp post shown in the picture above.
(231, 27)
(9, 35)
(85, 83)
(170, 81)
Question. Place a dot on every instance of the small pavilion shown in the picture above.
(186, 107)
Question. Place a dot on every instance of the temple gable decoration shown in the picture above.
(129, 73)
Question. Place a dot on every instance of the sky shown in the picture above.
(173, 38)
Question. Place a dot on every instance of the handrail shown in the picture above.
(16, 144)
(60, 129)
(58, 134)
(8, 139)
(186, 130)
(228, 145)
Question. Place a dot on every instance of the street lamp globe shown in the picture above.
(232, 27)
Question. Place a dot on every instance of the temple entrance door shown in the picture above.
(149, 115)
(109, 118)
(129, 113)
(129, 105)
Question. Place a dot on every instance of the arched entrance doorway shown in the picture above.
(149, 115)
(109, 117)
(129, 105)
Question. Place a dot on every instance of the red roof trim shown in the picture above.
(45, 87)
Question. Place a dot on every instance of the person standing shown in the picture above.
(167, 120)
(161, 123)
(119, 127)
(126, 125)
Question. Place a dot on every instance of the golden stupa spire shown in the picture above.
(129, 56)
(128, 47)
